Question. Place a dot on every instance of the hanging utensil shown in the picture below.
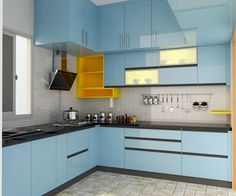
(171, 103)
(187, 100)
(177, 100)
(163, 104)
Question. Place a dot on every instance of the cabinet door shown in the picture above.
(212, 64)
(93, 147)
(182, 75)
(153, 162)
(111, 147)
(61, 159)
(111, 27)
(141, 59)
(114, 70)
(51, 21)
(138, 24)
(17, 170)
(76, 16)
(90, 25)
(43, 165)
(167, 29)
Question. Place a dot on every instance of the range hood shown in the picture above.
(61, 79)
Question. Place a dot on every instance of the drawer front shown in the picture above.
(205, 142)
(149, 133)
(205, 167)
(153, 162)
(78, 141)
(78, 164)
(153, 145)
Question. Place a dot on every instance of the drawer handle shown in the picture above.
(205, 155)
(77, 153)
(152, 139)
(150, 150)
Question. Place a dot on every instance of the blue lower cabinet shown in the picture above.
(205, 167)
(93, 147)
(180, 75)
(43, 165)
(17, 170)
(153, 162)
(77, 164)
(61, 167)
(111, 147)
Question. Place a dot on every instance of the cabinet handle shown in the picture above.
(121, 41)
(86, 38)
(82, 37)
(154, 38)
(127, 40)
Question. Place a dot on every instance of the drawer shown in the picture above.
(205, 167)
(78, 141)
(152, 144)
(77, 165)
(153, 133)
(153, 162)
(205, 142)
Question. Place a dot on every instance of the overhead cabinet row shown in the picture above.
(212, 66)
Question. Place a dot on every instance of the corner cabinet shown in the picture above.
(90, 80)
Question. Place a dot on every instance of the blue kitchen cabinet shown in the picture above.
(93, 147)
(61, 161)
(212, 64)
(141, 59)
(44, 157)
(17, 170)
(114, 70)
(111, 27)
(77, 153)
(137, 24)
(228, 64)
(111, 147)
(178, 75)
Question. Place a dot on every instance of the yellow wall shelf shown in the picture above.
(220, 112)
(90, 80)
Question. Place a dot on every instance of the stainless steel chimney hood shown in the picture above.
(61, 79)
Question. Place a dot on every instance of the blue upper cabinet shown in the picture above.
(114, 70)
(17, 170)
(111, 147)
(111, 27)
(212, 62)
(137, 24)
(43, 165)
(51, 21)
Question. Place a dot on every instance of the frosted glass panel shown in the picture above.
(178, 57)
(141, 77)
(23, 74)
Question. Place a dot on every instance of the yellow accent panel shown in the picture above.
(178, 56)
(90, 80)
(221, 112)
(141, 77)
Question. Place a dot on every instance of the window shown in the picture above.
(16, 74)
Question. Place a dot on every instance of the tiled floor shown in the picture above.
(110, 184)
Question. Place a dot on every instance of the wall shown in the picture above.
(131, 103)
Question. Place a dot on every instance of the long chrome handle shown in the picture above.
(86, 38)
(82, 37)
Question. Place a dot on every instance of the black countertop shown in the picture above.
(47, 130)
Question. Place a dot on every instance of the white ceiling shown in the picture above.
(103, 2)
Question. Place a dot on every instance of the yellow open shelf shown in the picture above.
(227, 112)
(90, 80)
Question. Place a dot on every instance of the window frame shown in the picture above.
(12, 115)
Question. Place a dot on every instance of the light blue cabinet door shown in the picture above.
(164, 30)
(61, 159)
(93, 147)
(230, 156)
(205, 167)
(205, 142)
(111, 147)
(16, 162)
(111, 27)
(138, 24)
(76, 21)
(153, 162)
(114, 70)
(182, 75)
(43, 166)
(141, 59)
(212, 64)
(90, 25)
(51, 21)
(77, 164)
